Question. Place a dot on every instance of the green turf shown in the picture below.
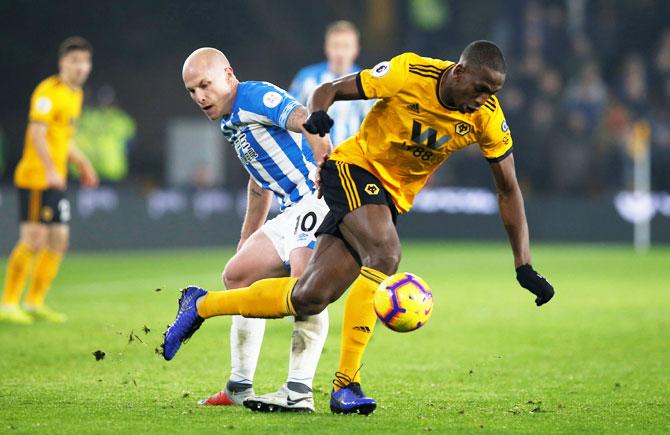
(594, 360)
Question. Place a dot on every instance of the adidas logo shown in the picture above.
(414, 107)
(362, 329)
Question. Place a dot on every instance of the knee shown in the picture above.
(233, 276)
(35, 241)
(306, 304)
(383, 257)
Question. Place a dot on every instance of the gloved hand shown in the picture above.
(535, 283)
(318, 123)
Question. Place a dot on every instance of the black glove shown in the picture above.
(318, 123)
(534, 283)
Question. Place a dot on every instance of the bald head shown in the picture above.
(205, 59)
(210, 80)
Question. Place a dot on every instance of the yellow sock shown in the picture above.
(18, 268)
(46, 269)
(359, 322)
(267, 298)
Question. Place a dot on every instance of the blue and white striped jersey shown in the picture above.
(277, 159)
(348, 115)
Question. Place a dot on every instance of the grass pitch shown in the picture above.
(594, 360)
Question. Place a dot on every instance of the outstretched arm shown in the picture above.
(512, 211)
(510, 201)
(345, 88)
(320, 145)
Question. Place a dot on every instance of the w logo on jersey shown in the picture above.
(427, 137)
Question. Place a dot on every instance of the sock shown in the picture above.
(18, 268)
(309, 335)
(267, 298)
(46, 269)
(359, 322)
(246, 337)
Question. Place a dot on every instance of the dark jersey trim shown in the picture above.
(501, 158)
(437, 88)
(359, 85)
(425, 66)
(424, 74)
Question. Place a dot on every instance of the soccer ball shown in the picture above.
(403, 302)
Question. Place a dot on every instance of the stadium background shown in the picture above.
(586, 79)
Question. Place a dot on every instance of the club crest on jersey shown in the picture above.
(463, 128)
(372, 189)
(381, 69)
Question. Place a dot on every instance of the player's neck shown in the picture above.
(69, 84)
(228, 105)
(443, 90)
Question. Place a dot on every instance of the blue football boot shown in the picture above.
(185, 324)
(350, 399)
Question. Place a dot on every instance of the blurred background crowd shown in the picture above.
(587, 81)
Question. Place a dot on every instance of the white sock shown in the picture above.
(246, 337)
(309, 336)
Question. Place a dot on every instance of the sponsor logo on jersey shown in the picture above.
(504, 126)
(414, 107)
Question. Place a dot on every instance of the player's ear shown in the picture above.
(459, 70)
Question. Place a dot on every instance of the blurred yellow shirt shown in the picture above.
(58, 106)
(409, 133)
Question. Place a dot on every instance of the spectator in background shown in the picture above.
(587, 93)
(341, 47)
(104, 133)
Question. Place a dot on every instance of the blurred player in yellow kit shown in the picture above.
(41, 179)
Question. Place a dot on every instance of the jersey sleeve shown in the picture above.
(495, 139)
(273, 104)
(43, 105)
(384, 79)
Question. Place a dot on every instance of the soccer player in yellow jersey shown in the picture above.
(41, 179)
(426, 110)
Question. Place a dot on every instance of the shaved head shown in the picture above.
(205, 58)
(210, 80)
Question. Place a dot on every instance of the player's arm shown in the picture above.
(321, 146)
(258, 207)
(344, 88)
(510, 201)
(89, 178)
(38, 133)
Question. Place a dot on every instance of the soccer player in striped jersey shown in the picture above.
(427, 109)
(264, 125)
(341, 47)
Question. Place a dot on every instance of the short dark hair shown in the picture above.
(74, 43)
(485, 53)
(342, 26)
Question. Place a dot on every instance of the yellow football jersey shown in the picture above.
(409, 132)
(58, 106)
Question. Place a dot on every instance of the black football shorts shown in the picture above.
(43, 206)
(346, 187)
